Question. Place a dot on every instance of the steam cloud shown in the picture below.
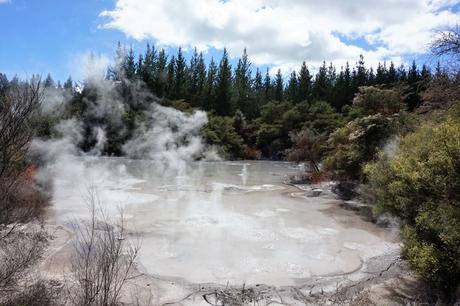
(166, 136)
(170, 138)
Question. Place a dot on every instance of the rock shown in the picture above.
(300, 179)
(313, 193)
(345, 190)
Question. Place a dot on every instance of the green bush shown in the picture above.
(357, 143)
(420, 184)
(376, 118)
(220, 132)
(373, 100)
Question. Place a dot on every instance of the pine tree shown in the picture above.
(224, 87)
(259, 92)
(162, 72)
(412, 98)
(331, 82)
(279, 86)
(210, 87)
(292, 90)
(68, 84)
(392, 76)
(370, 77)
(115, 73)
(348, 80)
(180, 77)
(268, 86)
(361, 72)
(49, 82)
(341, 89)
(425, 74)
(201, 80)
(401, 73)
(129, 65)
(139, 66)
(242, 85)
(147, 72)
(193, 86)
(170, 79)
(413, 75)
(304, 83)
(321, 83)
(381, 75)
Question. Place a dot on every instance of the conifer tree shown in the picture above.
(361, 73)
(268, 86)
(381, 74)
(371, 77)
(279, 86)
(331, 82)
(193, 86)
(259, 92)
(413, 75)
(129, 65)
(210, 87)
(162, 73)
(320, 85)
(180, 76)
(68, 84)
(49, 82)
(401, 73)
(224, 87)
(304, 83)
(148, 68)
(392, 74)
(425, 74)
(139, 66)
(201, 80)
(292, 90)
(170, 79)
(242, 85)
(341, 89)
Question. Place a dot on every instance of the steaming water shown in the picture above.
(222, 221)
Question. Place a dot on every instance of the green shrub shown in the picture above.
(376, 118)
(421, 185)
(220, 132)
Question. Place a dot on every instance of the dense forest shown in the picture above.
(251, 113)
(390, 135)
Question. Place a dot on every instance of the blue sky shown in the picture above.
(52, 36)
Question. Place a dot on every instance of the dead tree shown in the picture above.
(19, 103)
(447, 44)
(19, 250)
(104, 259)
(307, 147)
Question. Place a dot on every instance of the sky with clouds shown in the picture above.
(52, 36)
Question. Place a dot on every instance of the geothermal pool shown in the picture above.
(219, 222)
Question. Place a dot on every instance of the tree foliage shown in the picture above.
(420, 184)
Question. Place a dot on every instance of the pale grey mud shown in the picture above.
(224, 222)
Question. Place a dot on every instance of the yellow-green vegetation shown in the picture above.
(420, 184)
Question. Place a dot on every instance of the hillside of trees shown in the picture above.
(251, 113)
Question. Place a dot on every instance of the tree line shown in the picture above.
(222, 89)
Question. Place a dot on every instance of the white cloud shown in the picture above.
(283, 33)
